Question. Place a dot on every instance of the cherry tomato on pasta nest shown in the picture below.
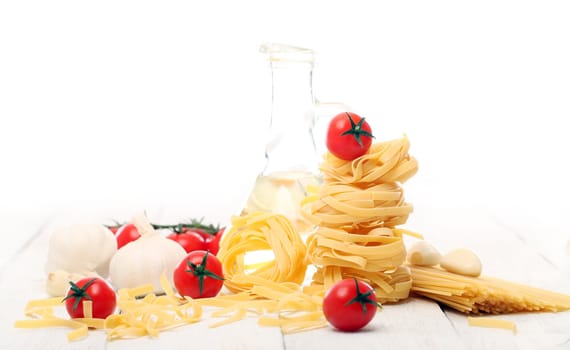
(348, 136)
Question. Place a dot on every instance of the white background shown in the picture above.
(113, 104)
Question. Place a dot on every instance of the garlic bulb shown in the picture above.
(81, 249)
(143, 261)
(57, 282)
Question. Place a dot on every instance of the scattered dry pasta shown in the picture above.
(492, 323)
(42, 315)
(281, 304)
(142, 313)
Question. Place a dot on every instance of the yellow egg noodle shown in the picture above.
(477, 295)
(491, 323)
(42, 314)
(357, 210)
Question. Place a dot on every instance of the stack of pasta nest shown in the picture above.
(358, 210)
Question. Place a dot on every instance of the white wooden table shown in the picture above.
(507, 248)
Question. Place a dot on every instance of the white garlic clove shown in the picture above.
(462, 261)
(142, 223)
(422, 253)
(57, 282)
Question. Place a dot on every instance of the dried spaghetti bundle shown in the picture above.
(477, 295)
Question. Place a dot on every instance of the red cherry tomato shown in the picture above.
(348, 136)
(213, 241)
(199, 231)
(199, 275)
(350, 305)
(95, 289)
(211, 238)
(126, 234)
(189, 240)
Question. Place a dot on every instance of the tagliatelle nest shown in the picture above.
(262, 232)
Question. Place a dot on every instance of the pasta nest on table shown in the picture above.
(357, 209)
(262, 232)
(365, 193)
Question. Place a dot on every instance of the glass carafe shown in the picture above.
(291, 159)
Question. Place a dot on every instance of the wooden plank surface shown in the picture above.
(413, 323)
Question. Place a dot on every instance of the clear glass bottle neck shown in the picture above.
(291, 146)
(292, 99)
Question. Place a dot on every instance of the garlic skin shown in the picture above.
(57, 282)
(81, 249)
(422, 253)
(144, 261)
